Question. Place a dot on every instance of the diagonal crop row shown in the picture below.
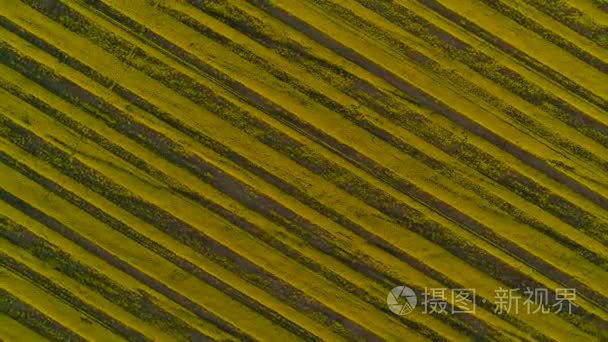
(302, 147)
(127, 231)
(180, 189)
(371, 194)
(139, 164)
(486, 66)
(171, 154)
(516, 53)
(129, 300)
(408, 149)
(547, 34)
(171, 225)
(573, 18)
(362, 161)
(48, 285)
(357, 266)
(351, 259)
(37, 321)
(518, 183)
(182, 84)
(470, 155)
(398, 184)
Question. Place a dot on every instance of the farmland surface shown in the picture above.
(268, 170)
